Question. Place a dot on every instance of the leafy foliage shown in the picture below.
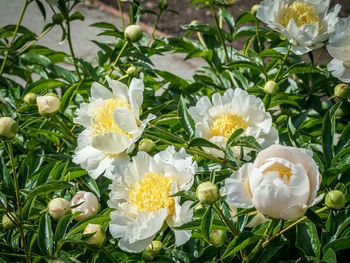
(238, 52)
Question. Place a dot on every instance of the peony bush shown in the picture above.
(118, 161)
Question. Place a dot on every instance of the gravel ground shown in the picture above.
(185, 12)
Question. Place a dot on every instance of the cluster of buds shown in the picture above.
(85, 203)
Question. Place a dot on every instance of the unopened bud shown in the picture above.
(58, 207)
(163, 5)
(99, 236)
(7, 222)
(218, 238)
(271, 87)
(57, 19)
(254, 9)
(133, 33)
(8, 128)
(342, 91)
(132, 72)
(146, 145)
(335, 200)
(152, 250)
(86, 203)
(30, 98)
(48, 105)
(230, 2)
(207, 193)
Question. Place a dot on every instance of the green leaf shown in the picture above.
(185, 118)
(327, 137)
(68, 95)
(344, 138)
(201, 142)
(62, 226)
(233, 137)
(48, 188)
(338, 244)
(77, 16)
(240, 242)
(307, 239)
(45, 239)
(207, 222)
(44, 85)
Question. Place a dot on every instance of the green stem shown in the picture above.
(221, 36)
(226, 221)
(116, 60)
(18, 199)
(70, 43)
(258, 246)
(65, 130)
(14, 35)
(283, 63)
(154, 28)
(267, 242)
(24, 48)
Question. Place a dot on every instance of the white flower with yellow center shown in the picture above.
(143, 201)
(217, 119)
(281, 183)
(339, 49)
(112, 123)
(306, 23)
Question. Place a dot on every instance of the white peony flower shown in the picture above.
(112, 127)
(216, 120)
(143, 202)
(281, 183)
(306, 23)
(339, 49)
(86, 203)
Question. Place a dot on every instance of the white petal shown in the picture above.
(120, 90)
(114, 143)
(100, 92)
(125, 120)
(136, 95)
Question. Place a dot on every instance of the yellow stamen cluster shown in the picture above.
(301, 13)
(104, 122)
(283, 171)
(152, 193)
(226, 124)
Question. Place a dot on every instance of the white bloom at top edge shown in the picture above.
(306, 23)
(112, 123)
(281, 183)
(216, 119)
(143, 202)
(339, 49)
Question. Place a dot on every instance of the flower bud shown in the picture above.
(146, 145)
(342, 91)
(152, 250)
(218, 238)
(85, 202)
(58, 207)
(132, 72)
(133, 33)
(271, 87)
(8, 223)
(163, 5)
(30, 98)
(230, 2)
(57, 19)
(207, 193)
(8, 128)
(96, 239)
(335, 200)
(49, 104)
(254, 9)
